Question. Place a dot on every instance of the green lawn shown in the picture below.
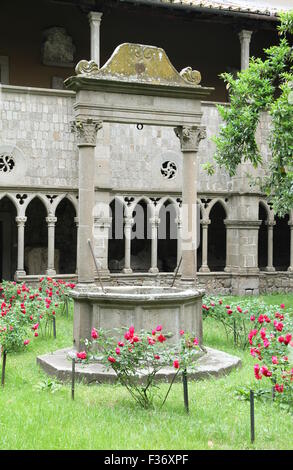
(105, 417)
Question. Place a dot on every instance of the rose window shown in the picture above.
(7, 163)
(169, 170)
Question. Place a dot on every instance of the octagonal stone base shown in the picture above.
(212, 364)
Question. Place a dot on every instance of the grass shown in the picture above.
(105, 417)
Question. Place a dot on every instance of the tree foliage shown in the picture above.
(267, 85)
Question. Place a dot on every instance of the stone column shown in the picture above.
(154, 258)
(270, 266)
(95, 23)
(86, 131)
(178, 221)
(102, 226)
(291, 246)
(245, 38)
(190, 138)
(20, 246)
(204, 266)
(76, 223)
(51, 221)
(128, 223)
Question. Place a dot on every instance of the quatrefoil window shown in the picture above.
(7, 163)
(169, 169)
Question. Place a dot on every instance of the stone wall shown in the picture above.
(35, 129)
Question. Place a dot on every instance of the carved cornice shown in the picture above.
(190, 137)
(86, 131)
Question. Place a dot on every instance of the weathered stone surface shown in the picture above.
(213, 364)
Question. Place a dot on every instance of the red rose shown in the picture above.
(181, 332)
(26, 341)
(275, 360)
(111, 359)
(161, 338)
(117, 351)
(159, 328)
(282, 305)
(239, 309)
(176, 364)
(81, 355)
(94, 334)
(156, 356)
(36, 333)
(229, 311)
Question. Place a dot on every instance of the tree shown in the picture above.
(267, 85)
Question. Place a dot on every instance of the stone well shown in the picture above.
(174, 308)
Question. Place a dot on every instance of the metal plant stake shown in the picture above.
(3, 368)
(72, 378)
(185, 390)
(252, 424)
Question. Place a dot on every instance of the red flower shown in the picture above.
(36, 333)
(195, 341)
(111, 359)
(156, 356)
(252, 318)
(159, 328)
(265, 371)
(117, 351)
(161, 338)
(26, 341)
(220, 302)
(288, 338)
(81, 355)
(281, 339)
(275, 360)
(282, 305)
(151, 341)
(176, 364)
(239, 309)
(120, 344)
(257, 372)
(279, 388)
(181, 332)
(229, 311)
(94, 334)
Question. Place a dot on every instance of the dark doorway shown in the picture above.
(141, 238)
(116, 245)
(167, 238)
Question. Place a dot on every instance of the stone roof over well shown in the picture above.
(259, 7)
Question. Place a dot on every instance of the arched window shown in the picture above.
(167, 238)
(116, 244)
(141, 238)
(217, 238)
(263, 238)
(66, 237)
(281, 253)
(36, 238)
(8, 239)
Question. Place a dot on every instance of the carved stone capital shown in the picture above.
(86, 131)
(51, 220)
(21, 220)
(155, 221)
(190, 137)
(205, 222)
(128, 221)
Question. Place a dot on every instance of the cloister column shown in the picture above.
(51, 221)
(20, 246)
(154, 231)
(178, 221)
(245, 38)
(290, 223)
(270, 225)
(76, 223)
(86, 131)
(204, 266)
(95, 23)
(190, 138)
(128, 223)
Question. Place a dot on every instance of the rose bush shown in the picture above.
(26, 309)
(139, 357)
